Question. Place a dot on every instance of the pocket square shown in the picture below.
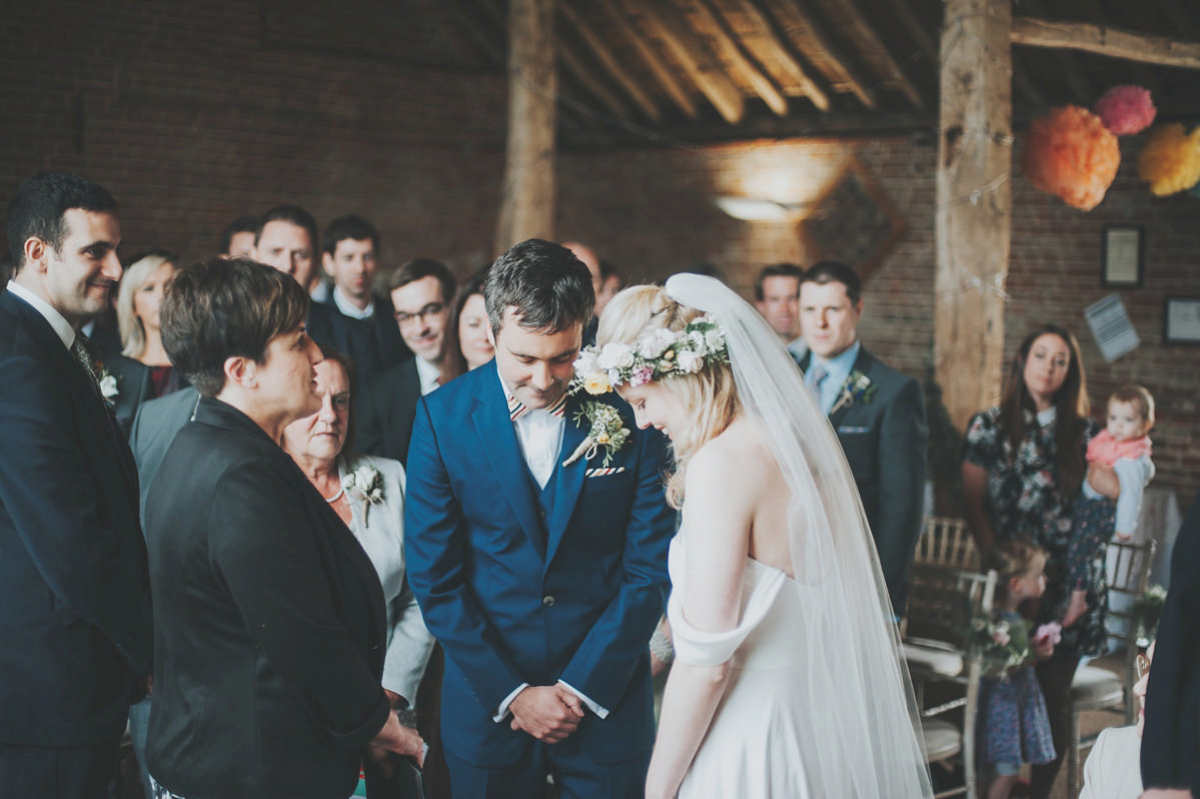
(850, 430)
(603, 472)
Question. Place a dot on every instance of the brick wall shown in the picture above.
(193, 113)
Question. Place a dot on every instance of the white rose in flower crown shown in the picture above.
(698, 343)
(651, 348)
(615, 356)
(690, 362)
(586, 363)
(714, 339)
(614, 376)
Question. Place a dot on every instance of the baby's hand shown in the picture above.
(1124, 537)
(1076, 608)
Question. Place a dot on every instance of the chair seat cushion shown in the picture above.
(1097, 686)
(930, 657)
(942, 739)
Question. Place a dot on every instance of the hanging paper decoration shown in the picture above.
(1126, 109)
(1170, 161)
(1070, 154)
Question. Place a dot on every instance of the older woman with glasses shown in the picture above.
(270, 625)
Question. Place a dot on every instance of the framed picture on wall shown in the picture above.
(1122, 250)
(1181, 320)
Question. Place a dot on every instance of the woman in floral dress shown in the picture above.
(1023, 464)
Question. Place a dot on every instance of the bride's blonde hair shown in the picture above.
(709, 397)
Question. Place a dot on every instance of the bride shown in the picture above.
(787, 680)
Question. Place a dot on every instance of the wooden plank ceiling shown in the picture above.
(713, 70)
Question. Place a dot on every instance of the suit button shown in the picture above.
(547, 601)
(542, 513)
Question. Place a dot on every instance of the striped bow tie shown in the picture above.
(517, 409)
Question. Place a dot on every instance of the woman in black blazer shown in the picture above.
(269, 617)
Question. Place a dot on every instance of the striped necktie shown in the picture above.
(517, 409)
(813, 379)
(79, 349)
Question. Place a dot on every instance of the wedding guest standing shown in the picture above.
(468, 345)
(355, 320)
(287, 241)
(421, 292)
(75, 637)
(878, 413)
(368, 495)
(139, 302)
(271, 624)
(777, 298)
(1023, 464)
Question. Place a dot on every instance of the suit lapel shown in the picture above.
(568, 480)
(862, 363)
(503, 452)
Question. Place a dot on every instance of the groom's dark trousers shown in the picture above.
(529, 586)
(74, 595)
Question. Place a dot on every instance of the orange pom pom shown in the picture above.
(1170, 161)
(1070, 154)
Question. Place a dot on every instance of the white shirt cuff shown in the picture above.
(502, 711)
(592, 706)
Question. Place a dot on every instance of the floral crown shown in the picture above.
(661, 353)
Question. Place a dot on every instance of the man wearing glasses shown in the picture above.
(421, 291)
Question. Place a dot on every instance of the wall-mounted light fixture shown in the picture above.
(750, 209)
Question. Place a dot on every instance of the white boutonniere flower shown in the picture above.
(608, 433)
(857, 388)
(364, 484)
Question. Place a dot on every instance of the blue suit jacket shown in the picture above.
(74, 594)
(515, 598)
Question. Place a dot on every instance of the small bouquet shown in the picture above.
(364, 484)
(1002, 646)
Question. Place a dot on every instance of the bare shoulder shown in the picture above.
(736, 459)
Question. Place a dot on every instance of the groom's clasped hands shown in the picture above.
(547, 712)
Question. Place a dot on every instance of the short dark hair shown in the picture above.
(351, 226)
(243, 224)
(222, 308)
(289, 213)
(39, 204)
(777, 270)
(824, 272)
(545, 283)
(419, 268)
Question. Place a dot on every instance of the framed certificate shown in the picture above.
(1122, 251)
(1181, 320)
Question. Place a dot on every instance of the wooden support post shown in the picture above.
(974, 203)
(527, 204)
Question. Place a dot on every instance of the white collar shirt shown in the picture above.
(429, 375)
(540, 435)
(350, 309)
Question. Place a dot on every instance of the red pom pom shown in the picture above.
(1126, 109)
(1070, 154)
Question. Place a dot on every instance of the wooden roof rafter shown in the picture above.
(783, 55)
(610, 62)
(1106, 41)
(687, 50)
(657, 68)
(859, 30)
(799, 26)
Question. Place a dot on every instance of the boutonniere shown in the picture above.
(108, 383)
(366, 485)
(608, 432)
(857, 388)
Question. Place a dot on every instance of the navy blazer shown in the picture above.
(374, 343)
(515, 595)
(884, 439)
(74, 597)
(384, 417)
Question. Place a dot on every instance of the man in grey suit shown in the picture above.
(878, 413)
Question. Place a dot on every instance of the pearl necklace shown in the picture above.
(336, 496)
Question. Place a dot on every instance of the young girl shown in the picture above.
(1125, 447)
(1013, 725)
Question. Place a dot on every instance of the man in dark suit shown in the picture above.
(777, 298)
(540, 573)
(421, 291)
(878, 413)
(354, 320)
(1171, 738)
(74, 595)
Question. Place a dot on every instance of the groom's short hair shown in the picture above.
(544, 283)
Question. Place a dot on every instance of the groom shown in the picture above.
(542, 579)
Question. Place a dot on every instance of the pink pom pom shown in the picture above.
(1126, 109)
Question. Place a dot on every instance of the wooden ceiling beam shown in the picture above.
(657, 68)
(574, 65)
(610, 63)
(783, 55)
(687, 50)
(707, 24)
(799, 26)
(1106, 41)
(874, 50)
(1077, 80)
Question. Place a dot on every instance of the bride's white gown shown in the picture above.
(752, 748)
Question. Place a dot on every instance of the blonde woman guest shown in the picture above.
(368, 495)
(138, 303)
(787, 680)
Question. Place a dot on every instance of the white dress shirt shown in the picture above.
(428, 374)
(350, 309)
(540, 435)
(57, 321)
